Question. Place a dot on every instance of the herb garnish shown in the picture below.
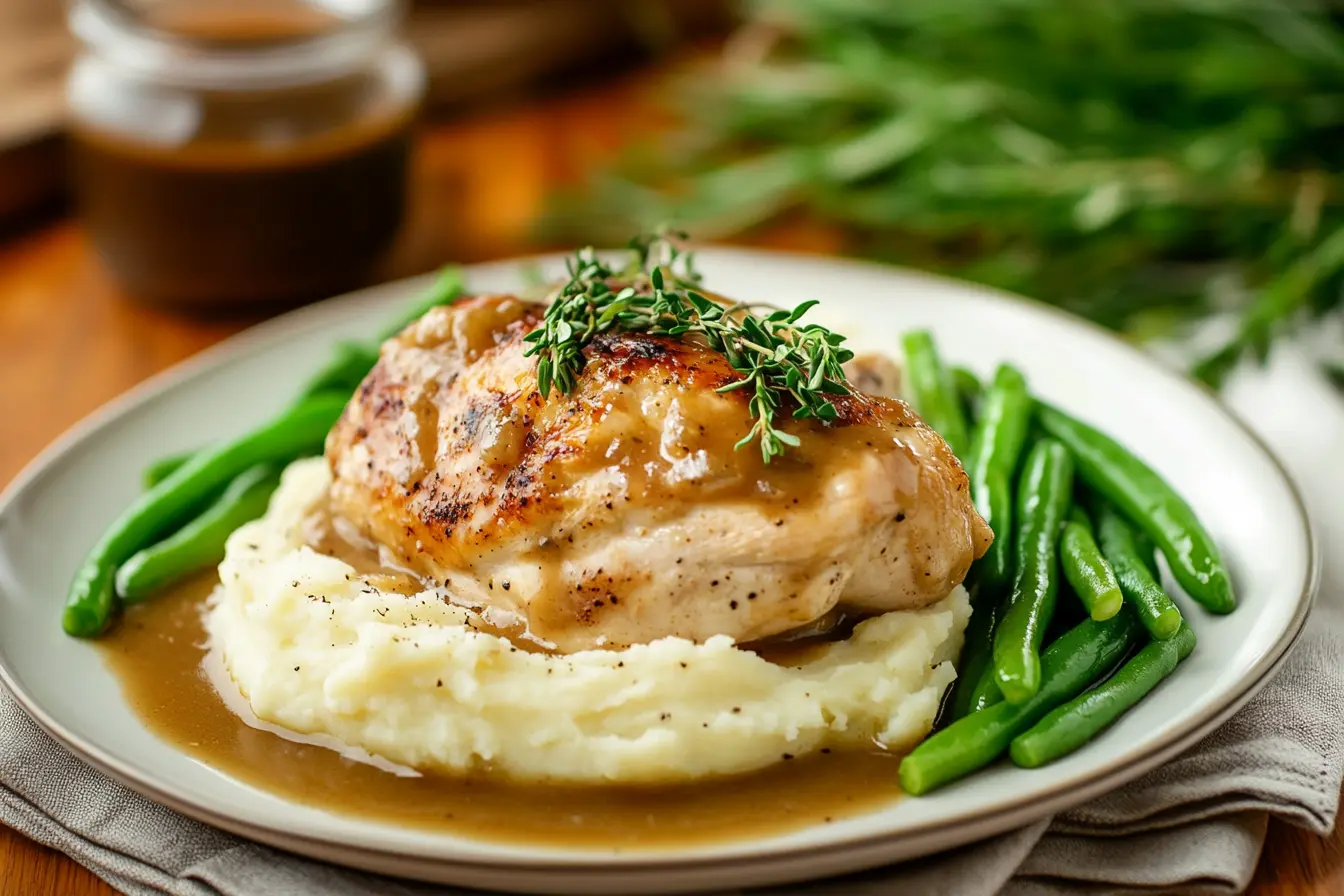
(778, 359)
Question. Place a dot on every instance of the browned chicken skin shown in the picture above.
(621, 513)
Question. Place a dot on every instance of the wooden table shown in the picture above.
(69, 341)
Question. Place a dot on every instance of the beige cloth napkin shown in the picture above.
(1194, 825)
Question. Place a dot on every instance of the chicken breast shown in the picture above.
(621, 513)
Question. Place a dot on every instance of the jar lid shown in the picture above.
(235, 44)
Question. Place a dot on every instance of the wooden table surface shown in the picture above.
(69, 341)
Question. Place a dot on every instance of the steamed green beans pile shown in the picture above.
(193, 501)
(1075, 517)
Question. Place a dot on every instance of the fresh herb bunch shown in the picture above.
(1140, 162)
(780, 361)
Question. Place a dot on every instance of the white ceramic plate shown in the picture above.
(59, 505)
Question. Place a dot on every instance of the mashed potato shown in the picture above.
(317, 649)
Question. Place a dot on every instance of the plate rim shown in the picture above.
(959, 829)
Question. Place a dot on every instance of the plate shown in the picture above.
(58, 506)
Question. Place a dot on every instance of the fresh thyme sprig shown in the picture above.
(778, 360)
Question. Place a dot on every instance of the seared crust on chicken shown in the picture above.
(621, 513)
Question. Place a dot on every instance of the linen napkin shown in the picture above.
(1195, 825)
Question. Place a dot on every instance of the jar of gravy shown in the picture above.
(236, 154)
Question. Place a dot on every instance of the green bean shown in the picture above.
(1086, 569)
(164, 467)
(993, 497)
(975, 657)
(447, 288)
(1078, 658)
(1067, 727)
(1005, 414)
(348, 366)
(931, 386)
(986, 691)
(1068, 613)
(350, 363)
(969, 390)
(1152, 504)
(1148, 551)
(1043, 493)
(200, 543)
(996, 444)
(300, 430)
(1154, 608)
(353, 360)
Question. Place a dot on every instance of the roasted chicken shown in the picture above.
(621, 513)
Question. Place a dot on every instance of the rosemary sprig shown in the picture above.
(779, 361)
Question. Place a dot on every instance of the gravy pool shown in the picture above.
(157, 652)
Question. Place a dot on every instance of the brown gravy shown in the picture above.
(156, 651)
(231, 198)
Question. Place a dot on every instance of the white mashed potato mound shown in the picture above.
(316, 649)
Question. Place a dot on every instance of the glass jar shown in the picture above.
(235, 153)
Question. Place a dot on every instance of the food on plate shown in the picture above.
(620, 513)
(157, 513)
(1068, 727)
(1000, 434)
(1079, 657)
(180, 485)
(645, 534)
(1044, 489)
(969, 389)
(164, 467)
(611, 497)
(389, 665)
(1086, 570)
(1152, 504)
(975, 688)
(1133, 568)
(1050, 708)
(200, 543)
(935, 389)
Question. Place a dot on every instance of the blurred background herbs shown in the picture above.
(1143, 163)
